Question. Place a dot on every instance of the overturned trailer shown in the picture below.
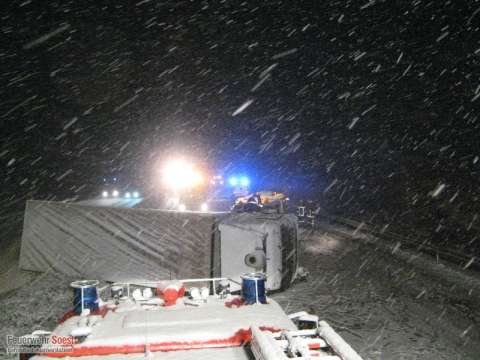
(119, 244)
(265, 242)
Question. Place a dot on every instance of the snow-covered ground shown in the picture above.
(28, 301)
(385, 307)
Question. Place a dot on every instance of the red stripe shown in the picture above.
(241, 336)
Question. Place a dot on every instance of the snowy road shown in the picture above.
(384, 307)
(115, 202)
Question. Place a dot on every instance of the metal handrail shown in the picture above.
(151, 283)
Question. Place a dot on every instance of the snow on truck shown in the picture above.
(185, 319)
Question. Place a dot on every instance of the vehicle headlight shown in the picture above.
(180, 174)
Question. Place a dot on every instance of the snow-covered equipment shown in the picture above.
(131, 328)
(253, 288)
(147, 293)
(264, 201)
(274, 200)
(304, 320)
(322, 343)
(85, 296)
(247, 203)
(170, 291)
(116, 291)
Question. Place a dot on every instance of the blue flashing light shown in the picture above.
(244, 181)
(233, 181)
(241, 181)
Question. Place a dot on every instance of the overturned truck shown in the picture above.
(120, 244)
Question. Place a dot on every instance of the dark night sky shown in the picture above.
(368, 105)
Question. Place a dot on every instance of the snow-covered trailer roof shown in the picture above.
(116, 244)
